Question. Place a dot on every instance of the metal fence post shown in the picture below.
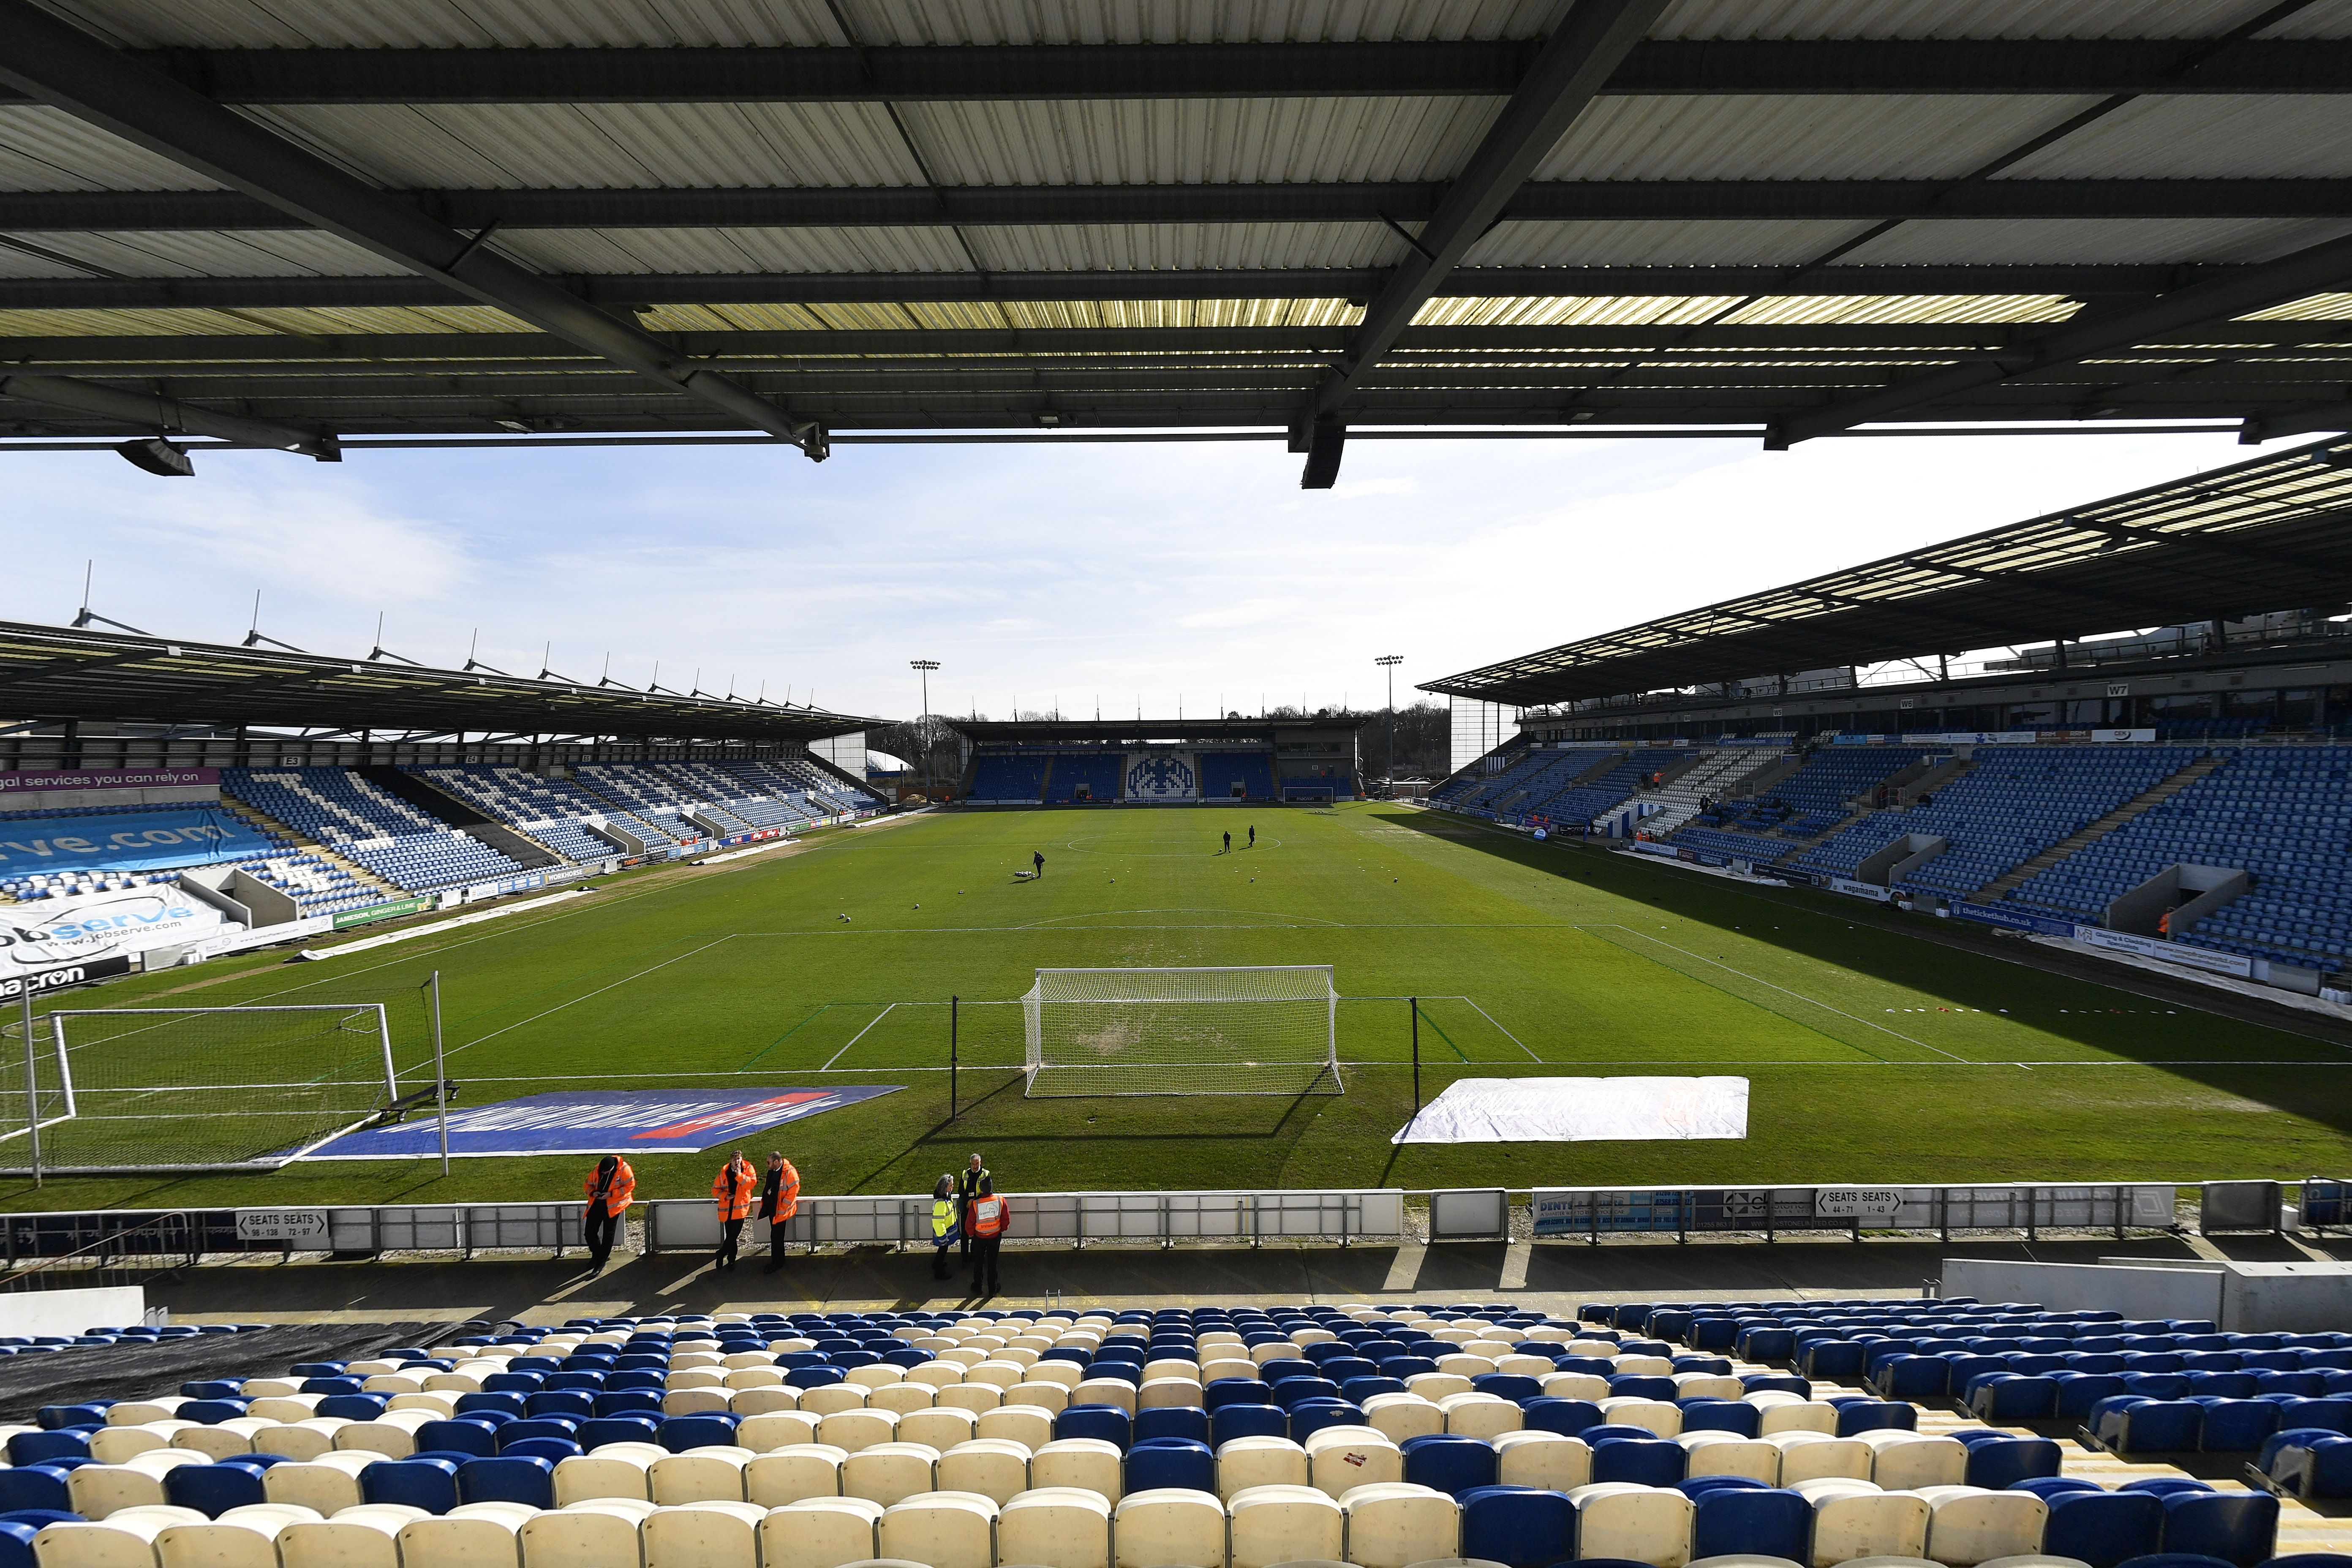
(32, 1084)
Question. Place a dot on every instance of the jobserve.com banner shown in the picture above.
(130, 841)
(49, 932)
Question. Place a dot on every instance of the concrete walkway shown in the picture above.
(1549, 1276)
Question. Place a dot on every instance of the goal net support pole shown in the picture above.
(1269, 1029)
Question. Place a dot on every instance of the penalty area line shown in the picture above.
(854, 1038)
(1811, 1002)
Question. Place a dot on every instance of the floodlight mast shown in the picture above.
(922, 725)
(1388, 663)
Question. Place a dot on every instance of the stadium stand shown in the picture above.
(1008, 777)
(1820, 794)
(653, 797)
(1097, 772)
(552, 811)
(2282, 814)
(1589, 801)
(1678, 801)
(364, 824)
(1380, 1436)
(1221, 770)
(2009, 806)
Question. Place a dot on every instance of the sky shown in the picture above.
(1085, 575)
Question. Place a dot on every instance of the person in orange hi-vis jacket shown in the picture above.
(984, 1217)
(734, 1189)
(609, 1192)
(780, 1199)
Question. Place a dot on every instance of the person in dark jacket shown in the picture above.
(967, 1186)
(780, 1199)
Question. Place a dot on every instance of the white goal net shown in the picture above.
(189, 1088)
(1261, 1030)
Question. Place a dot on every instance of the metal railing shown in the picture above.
(159, 1241)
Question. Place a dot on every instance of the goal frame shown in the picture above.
(57, 1058)
(1326, 1079)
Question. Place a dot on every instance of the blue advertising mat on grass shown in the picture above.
(599, 1121)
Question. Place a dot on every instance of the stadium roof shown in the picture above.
(2270, 534)
(50, 674)
(416, 219)
(1121, 730)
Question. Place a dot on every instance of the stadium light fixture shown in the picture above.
(1388, 663)
(924, 667)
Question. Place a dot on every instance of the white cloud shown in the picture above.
(1127, 570)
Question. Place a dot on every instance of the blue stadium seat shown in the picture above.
(2103, 1528)
(1568, 1418)
(1157, 1462)
(1450, 1462)
(1187, 1422)
(461, 1435)
(509, 1479)
(1107, 1423)
(711, 1430)
(1644, 1461)
(213, 1489)
(1239, 1420)
(2008, 1461)
(428, 1484)
(2241, 1528)
(1766, 1523)
(1519, 1527)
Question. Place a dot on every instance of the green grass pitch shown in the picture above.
(1874, 1055)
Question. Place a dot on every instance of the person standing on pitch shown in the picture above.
(1229, 842)
(945, 1229)
(1253, 844)
(733, 1190)
(609, 1192)
(780, 1199)
(1037, 860)
(967, 1186)
(985, 1219)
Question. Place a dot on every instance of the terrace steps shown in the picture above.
(2138, 804)
(255, 817)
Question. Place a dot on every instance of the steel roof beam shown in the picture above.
(167, 415)
(1098, 71)
(623, 289)
(983, 207)
(1589, 43)
(2311, 270)
(61, 66)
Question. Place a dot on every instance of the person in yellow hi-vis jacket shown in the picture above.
(946, 1225)
(734, 1189)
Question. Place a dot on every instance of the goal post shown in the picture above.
(1269, 1029)
(191, 1089)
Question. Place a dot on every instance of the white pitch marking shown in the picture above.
(854, 1038)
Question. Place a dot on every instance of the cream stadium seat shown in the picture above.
(392, 1434)
(713, 1474)
(1044, 1394)
(1169, 1528)
(1245, 1462)
(1662, 1416)
(703, 1535)
(750, 1402)
(1798, 1415)
(1001, 1373)
(1435, 1385)
(995, 1467)
(1482, 1415)
(1644, 1366)
(850, 1430)
(937, 1374)
(890, 1472)
(363, 1536)
(125, 1541)
(940, 1429)
(604, 1533)
(1054, 1526)
(1707, 1385)
(1088, 1463)
(1393, 1525)
(1068, 1373)
(833, 1399)
(240, 1538)
(1522, 1366)
(1811, 1457)
(1464, 1364)
(1853, 1519)
(1547, 1460)
(1402, 1416)
(1729, 1454)
(113, 1444)
(139, 1412)
(614, 1471)
(471, 1535)
(1908, 1461)
(304, 1439)
(1162, 1393)
(973, 1396)
(943, 1530)
(774, 1429)
(1340, 1459)
(794, 1474)
(1644, 1524)
(99, 1491)
(1105, 1391)
(880, 1375)
(1968, 1525)
(1267, 1525)
(1576, 1385)
(330, 1483)
(221, 1441)
(820, 1532)
(1022, 1424)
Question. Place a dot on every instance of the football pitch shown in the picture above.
(1874, 1055)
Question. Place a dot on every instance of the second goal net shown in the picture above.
(189, 1088)
(1257, 1030)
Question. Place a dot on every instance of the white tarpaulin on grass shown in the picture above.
(1581, 1111)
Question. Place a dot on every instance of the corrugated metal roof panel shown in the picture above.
(1199, 141)
(1904, 137)
(1625, 310)
(1984, 19)
(2212, 138)
(1640, 243)
(2311, 308)
(202, 253)
(2062, 240)
(737, 250)
(42, 149)
(634, 146)
(1095, 247)
(1889, 309)
(722, 24)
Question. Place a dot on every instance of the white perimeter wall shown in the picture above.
(71, 1312)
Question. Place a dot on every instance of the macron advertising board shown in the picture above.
(128, 841)
(600, 1121)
